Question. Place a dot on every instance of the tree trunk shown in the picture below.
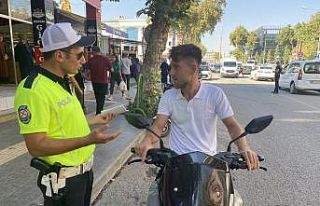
(156, 37)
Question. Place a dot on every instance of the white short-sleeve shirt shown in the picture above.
(126, 64)
(194, 122)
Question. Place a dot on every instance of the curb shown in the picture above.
(7, 115)
(110, 171)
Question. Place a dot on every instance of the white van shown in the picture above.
(301, 75)
(229, 68)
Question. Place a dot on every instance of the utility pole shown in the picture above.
(264, 47)
(220, 52)
(318, 47)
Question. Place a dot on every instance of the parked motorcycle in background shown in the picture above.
(196, 179)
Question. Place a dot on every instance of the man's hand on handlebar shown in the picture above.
(251, 158)
(144, 147)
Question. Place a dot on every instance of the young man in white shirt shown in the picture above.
(193, 108)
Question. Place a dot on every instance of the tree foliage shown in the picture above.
(251, 43)
(244, 42)
(270, 57)
(201, 17)
(238, 38)
(304, 37)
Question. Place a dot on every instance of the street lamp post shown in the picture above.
(318, 47)
(264, 47)
(220, 54)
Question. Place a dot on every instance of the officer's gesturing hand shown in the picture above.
(98, 136)
(104, 118)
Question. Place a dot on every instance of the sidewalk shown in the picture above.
(18, 179)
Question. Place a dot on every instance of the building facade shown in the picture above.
(15, 24)
(135, 29)
(267, 37)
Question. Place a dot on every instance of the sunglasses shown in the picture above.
(79, 55)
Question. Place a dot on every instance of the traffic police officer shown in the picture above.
(53, 124)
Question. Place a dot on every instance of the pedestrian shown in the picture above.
(116, 76)
(23, 55)
(164, 72)
(4, 72)
(277, 73)
(79, 87)
(54, 127)
(135, 69)
(126, 64)
(99, 68)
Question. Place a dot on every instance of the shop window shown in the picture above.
(7, 73)
(4, 7)
(49, 5)
(21, 9)
(22, 32)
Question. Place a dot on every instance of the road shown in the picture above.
(290, 145)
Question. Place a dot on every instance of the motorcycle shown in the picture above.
(196, 179)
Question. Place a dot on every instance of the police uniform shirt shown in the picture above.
(44, 103)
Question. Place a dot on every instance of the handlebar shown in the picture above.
(159, 157)
(236, 160)
(155, 156)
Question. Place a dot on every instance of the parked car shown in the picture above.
(205, 72)
(301, 75)
(216, 68)
(247, 69)
(229, 68)
(264, 72)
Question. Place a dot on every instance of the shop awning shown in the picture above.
(127, 41)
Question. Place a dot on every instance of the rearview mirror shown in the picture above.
(258, 124)
(140, 121)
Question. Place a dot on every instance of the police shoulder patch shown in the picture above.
(24, 114)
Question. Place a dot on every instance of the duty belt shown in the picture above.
(54, 176)
(67, 172)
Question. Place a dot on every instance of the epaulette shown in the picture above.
(30, 79)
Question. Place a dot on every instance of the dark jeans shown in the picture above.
(77, 191)
(276, 86)
(100, 90)
(115, 77)
(127, 80)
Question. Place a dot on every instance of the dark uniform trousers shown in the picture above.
(77, 191)
(276, 84)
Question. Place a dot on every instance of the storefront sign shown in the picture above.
(117, 32)
(92, 29)
(38, 13)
